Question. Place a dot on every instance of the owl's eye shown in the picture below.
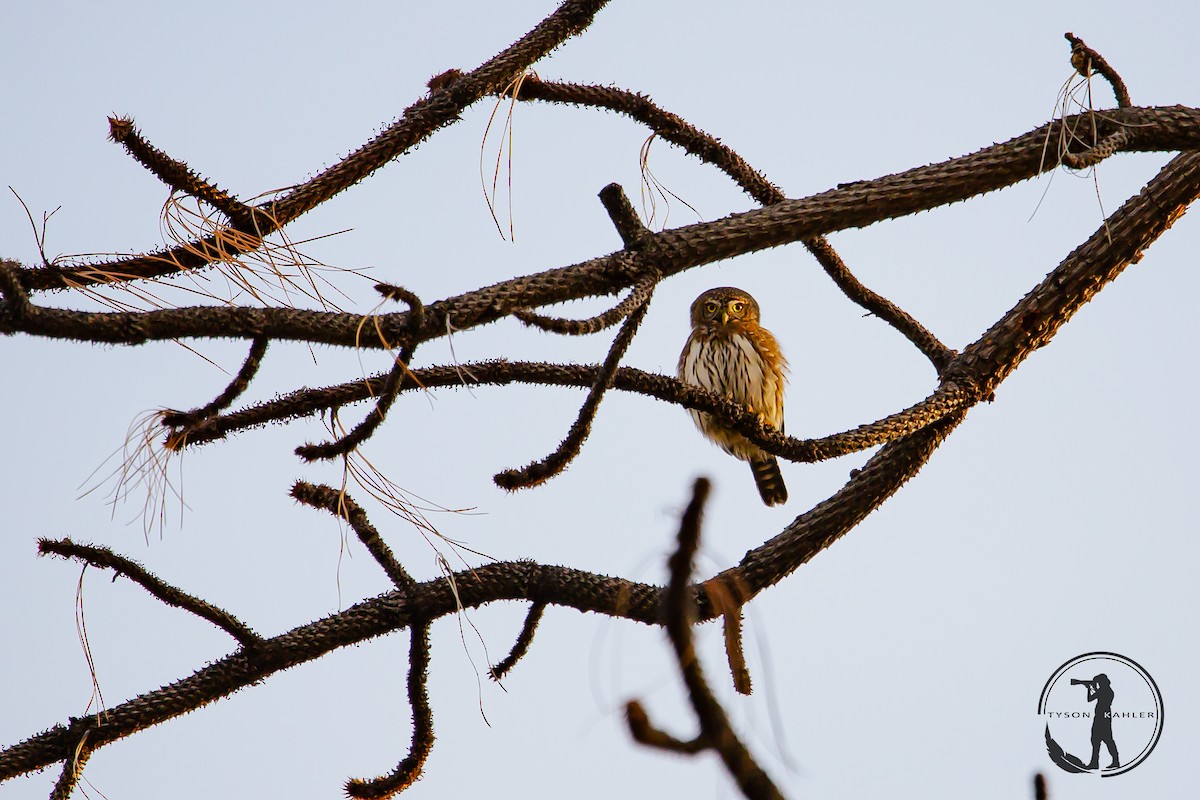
(737, 306)
(711, 307)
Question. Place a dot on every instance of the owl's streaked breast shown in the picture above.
(732, 366)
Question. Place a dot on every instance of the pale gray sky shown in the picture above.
(906, 661)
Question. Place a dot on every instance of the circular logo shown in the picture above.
(1103, 714)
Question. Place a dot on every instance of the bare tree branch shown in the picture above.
(907, 438)
(646, 732)
(524, 640)
(715, 731)
(342, 505)
(408, 770)
(389, 391)
(1085, 59)
(671, 251)
(184, 420)
(72, 769)
(945, 400)
(638, 296)
(104, 558)
(634, 234)
(708, 149)
(420, 120)
(541, 471)
(179, 177)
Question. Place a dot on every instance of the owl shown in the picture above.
(730, 354)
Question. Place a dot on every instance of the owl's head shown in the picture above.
(724, 306)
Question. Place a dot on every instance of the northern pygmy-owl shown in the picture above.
(730, 354)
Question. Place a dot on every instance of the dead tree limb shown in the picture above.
(906, 439)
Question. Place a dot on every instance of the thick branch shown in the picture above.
(442, 107)
(672, 251)
(520, 580)
(945, 400)
(708, 149)
(1029, 325)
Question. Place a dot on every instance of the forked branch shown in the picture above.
(715, 731)
(708, 149)
(907, 438)
(388, 391)
(184, 420)
(635, 236)
(443, 106)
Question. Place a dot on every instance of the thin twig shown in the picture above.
(180, 178)
(1084, 59)
(389, 391)
(540, 471)
(646, 732)
(239, 384)
(408, 770)
(930, 346)
(638, 296)
(104, 558)
(343, 506)
(521, 646)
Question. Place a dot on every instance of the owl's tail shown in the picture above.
(769, 480)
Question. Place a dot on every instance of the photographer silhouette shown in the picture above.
(1100, 690)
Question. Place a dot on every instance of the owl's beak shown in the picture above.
(725, 317)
